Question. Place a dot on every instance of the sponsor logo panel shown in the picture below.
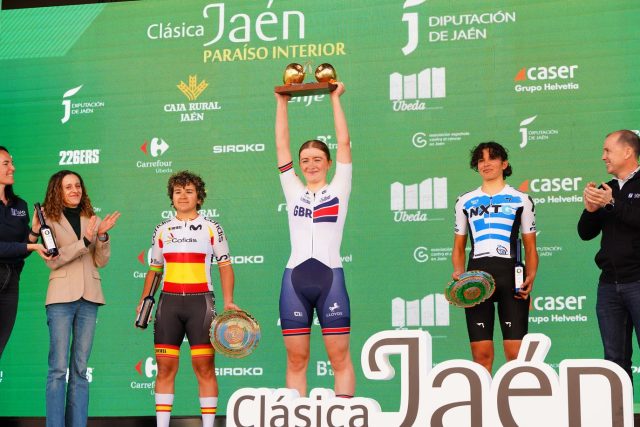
(431, 310)
(407, 92)
(156, 148)
(78, 105)
(422, 26)
(555, 190)
(408, 202)
(256, 36)
(423, 254)
(531, 133)
(438, 139)
(197, 107)
(558, 309)
(553, 78)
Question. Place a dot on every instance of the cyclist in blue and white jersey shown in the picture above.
(313, 278)
(493, 215)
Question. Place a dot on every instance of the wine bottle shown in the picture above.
(518, 269)
(144, 317)
(48, 239)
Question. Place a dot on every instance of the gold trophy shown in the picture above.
(293, 79)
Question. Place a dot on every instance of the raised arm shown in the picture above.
(340, 122)
(283, 149)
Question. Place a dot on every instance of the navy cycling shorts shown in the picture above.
(313, 285)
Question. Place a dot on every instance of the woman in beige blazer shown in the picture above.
(73, 295)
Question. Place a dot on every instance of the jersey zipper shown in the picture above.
(313, 205)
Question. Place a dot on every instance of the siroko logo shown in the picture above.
(157, 147)
(238, 148)
(77, 108)
(429, 83)
(432, 310)
(192, 111)
(528, 135)
(79, 157)
(431, 193)
(540, 79)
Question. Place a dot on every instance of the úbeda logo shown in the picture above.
(406, 92)
(77, 108)
(408, 201)
(534, 135)
(432, 310)
(192, 111)
(554, 78)
(156, 147)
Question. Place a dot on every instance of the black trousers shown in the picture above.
(9, 278)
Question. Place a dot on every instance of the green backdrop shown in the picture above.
(426, 80)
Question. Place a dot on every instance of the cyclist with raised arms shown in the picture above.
(313, 277)
(492, 215)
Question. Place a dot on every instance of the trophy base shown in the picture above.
(305, 89)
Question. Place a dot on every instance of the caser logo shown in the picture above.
(563, 72)
(557, 187)
(547, 185)
(157, 147)
(536, 79)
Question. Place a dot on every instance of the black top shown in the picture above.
(619, 254)
(14, 232)
(73, 216)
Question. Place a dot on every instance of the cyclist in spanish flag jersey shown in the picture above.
(493, 215)
(313, 278)
(183, 250)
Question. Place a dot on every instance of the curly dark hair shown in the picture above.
(496, 151)
(54, 198)
(182, 179)
(314, 143)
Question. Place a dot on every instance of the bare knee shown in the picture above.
(297, 361)
(167, 371)
(340, 361)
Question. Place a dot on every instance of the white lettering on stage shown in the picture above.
(456, 393)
